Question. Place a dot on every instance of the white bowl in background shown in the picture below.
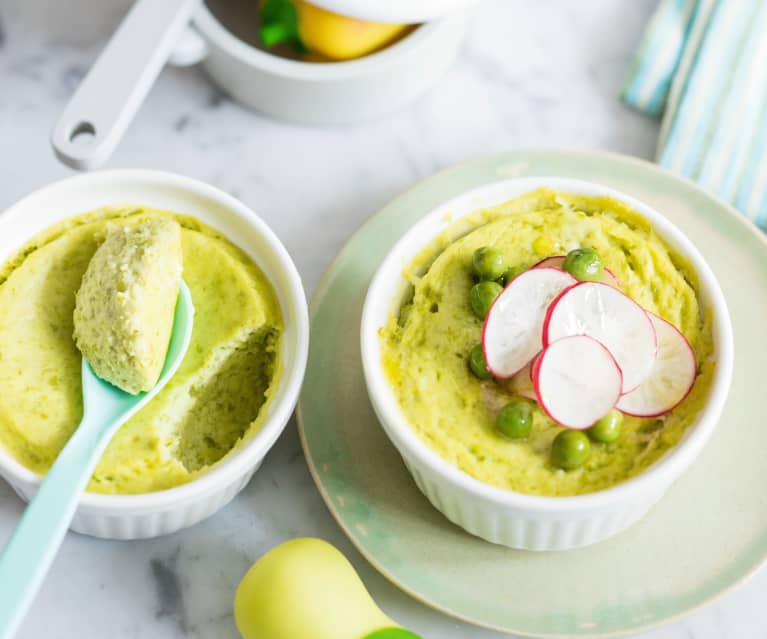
(162, 512)
(329, 92)
(503, 516)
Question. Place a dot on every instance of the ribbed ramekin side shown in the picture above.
(143, 525)
(527, 530)
(140, 523)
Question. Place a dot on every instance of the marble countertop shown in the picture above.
(539, 73)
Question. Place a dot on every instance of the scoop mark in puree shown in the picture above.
(226, 403)
(237, 331)
(453, 411)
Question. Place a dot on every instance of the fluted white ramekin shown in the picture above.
(162, 512)
(503, 516)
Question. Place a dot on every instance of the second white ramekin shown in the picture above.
(330, 93)
(502, 516)
(162, 512)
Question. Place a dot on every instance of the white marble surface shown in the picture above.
(539, 73)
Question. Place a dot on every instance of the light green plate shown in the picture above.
(706, 536)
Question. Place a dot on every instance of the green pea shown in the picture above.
(477, 363)
(570, 449)
(510, 274)
(488, 264)
(482, 296)
(607, 429)
(584, 264)
(515, 419)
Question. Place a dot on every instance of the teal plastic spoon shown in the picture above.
(33, 545)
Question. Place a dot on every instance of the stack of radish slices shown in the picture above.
(600, 349)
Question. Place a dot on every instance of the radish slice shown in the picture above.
(512, 333)
(555, 261)
(610, 317)
(521, 383)
(608, 277)
(671, 378)
(577, 381)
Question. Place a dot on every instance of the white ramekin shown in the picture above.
(162, 512)
(335, 92)
(502, 516)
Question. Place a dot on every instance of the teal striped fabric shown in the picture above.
(702, 66)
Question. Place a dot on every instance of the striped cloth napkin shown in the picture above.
(702, 65)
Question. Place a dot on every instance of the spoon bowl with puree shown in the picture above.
(133, 323)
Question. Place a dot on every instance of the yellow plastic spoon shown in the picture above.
(306, 589)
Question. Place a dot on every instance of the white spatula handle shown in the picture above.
(107, 99)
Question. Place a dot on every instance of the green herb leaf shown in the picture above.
(279, 23)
